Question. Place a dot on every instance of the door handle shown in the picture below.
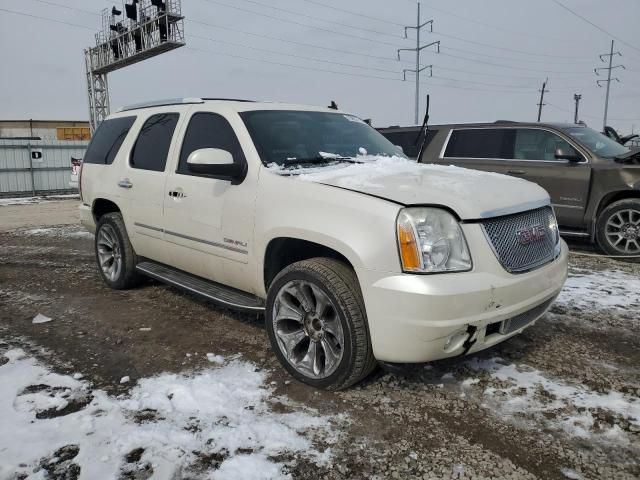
(125, 183)
(516, 172)
(176, 194)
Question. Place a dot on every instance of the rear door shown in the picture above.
(477, 148)
(142, 180)
(532, 153)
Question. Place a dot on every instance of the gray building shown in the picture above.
(41, 157)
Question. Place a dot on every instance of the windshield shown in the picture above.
(292, 138)
(598, 143)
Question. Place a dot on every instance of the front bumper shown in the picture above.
(412, 317)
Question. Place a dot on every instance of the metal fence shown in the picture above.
(37, 167)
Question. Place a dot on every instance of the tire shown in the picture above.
(618, 228)
(343, 354)
(111, 240)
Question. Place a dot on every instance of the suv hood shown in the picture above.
(472, 194)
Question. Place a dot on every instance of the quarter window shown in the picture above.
(476, 143)
(209, 130)
(107, 140)
(534, 144)
(152, 146)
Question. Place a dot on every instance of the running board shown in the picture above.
(569, 233)
(225, 296)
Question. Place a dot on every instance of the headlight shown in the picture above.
(431, 240)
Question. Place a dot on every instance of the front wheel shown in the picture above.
(317, 324)
(618, 228)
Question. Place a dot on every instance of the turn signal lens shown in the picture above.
(408, 247)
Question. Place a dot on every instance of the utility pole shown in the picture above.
(419, 26)
(577, 98)
(608, 80)
(542, 92)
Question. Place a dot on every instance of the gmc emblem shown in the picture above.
(531, 234)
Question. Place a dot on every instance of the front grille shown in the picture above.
(524, 241)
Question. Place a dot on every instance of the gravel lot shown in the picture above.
(562, 400)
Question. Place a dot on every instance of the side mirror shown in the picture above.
(216, 162)
(399, 148)
(571, 155)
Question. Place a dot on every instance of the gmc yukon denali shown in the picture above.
(593, 181)
(354, 253)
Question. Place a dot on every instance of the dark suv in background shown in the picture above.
(593, 181)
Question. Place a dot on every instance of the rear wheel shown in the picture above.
(114, 253)
(618, 228)
(317, 324)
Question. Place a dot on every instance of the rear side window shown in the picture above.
(107, 140)
(209, 130)
(407, 140)
(477, 143)
(152, 146)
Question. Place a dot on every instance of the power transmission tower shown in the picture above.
(419, 26)
(577, 98)
(542, 92)
(608, 80)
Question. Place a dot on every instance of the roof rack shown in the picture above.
(176, 101)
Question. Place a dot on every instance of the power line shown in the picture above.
(306, 25)
(313, 59)
(527, 60)
(351, 12)
(75, 9)
(560, 4)
(45, 18)
(313, 17)
(506, 49)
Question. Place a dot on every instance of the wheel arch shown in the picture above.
(612, 197)
(281, 252)
(102, 206)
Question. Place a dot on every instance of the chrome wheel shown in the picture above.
(623, 231)
(109, 253)
(308, 329)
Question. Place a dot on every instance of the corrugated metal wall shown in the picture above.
(34, 167)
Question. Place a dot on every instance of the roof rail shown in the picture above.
(505, 121)
(161, 103)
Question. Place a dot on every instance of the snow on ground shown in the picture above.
(68, 231)
(520, 391)
(215, 424)
(31, 200)
(601, 290)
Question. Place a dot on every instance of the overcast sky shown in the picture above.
(495, 55)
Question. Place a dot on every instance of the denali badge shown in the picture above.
(531, 234)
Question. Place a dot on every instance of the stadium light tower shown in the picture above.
(148, 28)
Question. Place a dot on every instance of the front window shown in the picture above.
(293, 138)
(535, 144)
(598, 143)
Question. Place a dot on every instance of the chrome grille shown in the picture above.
(524, 241)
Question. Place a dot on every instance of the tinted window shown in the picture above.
(407, 140)
(288, 137)
(107, 140)
(597, 142)
(152, 146)
(533, 144)
(209, 130)
(477, 143)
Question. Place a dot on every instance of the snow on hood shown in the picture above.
(472, 194)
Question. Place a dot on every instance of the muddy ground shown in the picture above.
(459, 418)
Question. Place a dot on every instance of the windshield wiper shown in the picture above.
(319, 160)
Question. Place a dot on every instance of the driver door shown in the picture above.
(209, 221)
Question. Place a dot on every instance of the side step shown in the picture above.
(225, 296)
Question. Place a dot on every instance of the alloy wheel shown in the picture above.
(623, 231)
(308, 329)
(109, 253)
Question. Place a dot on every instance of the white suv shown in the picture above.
(354, 253)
